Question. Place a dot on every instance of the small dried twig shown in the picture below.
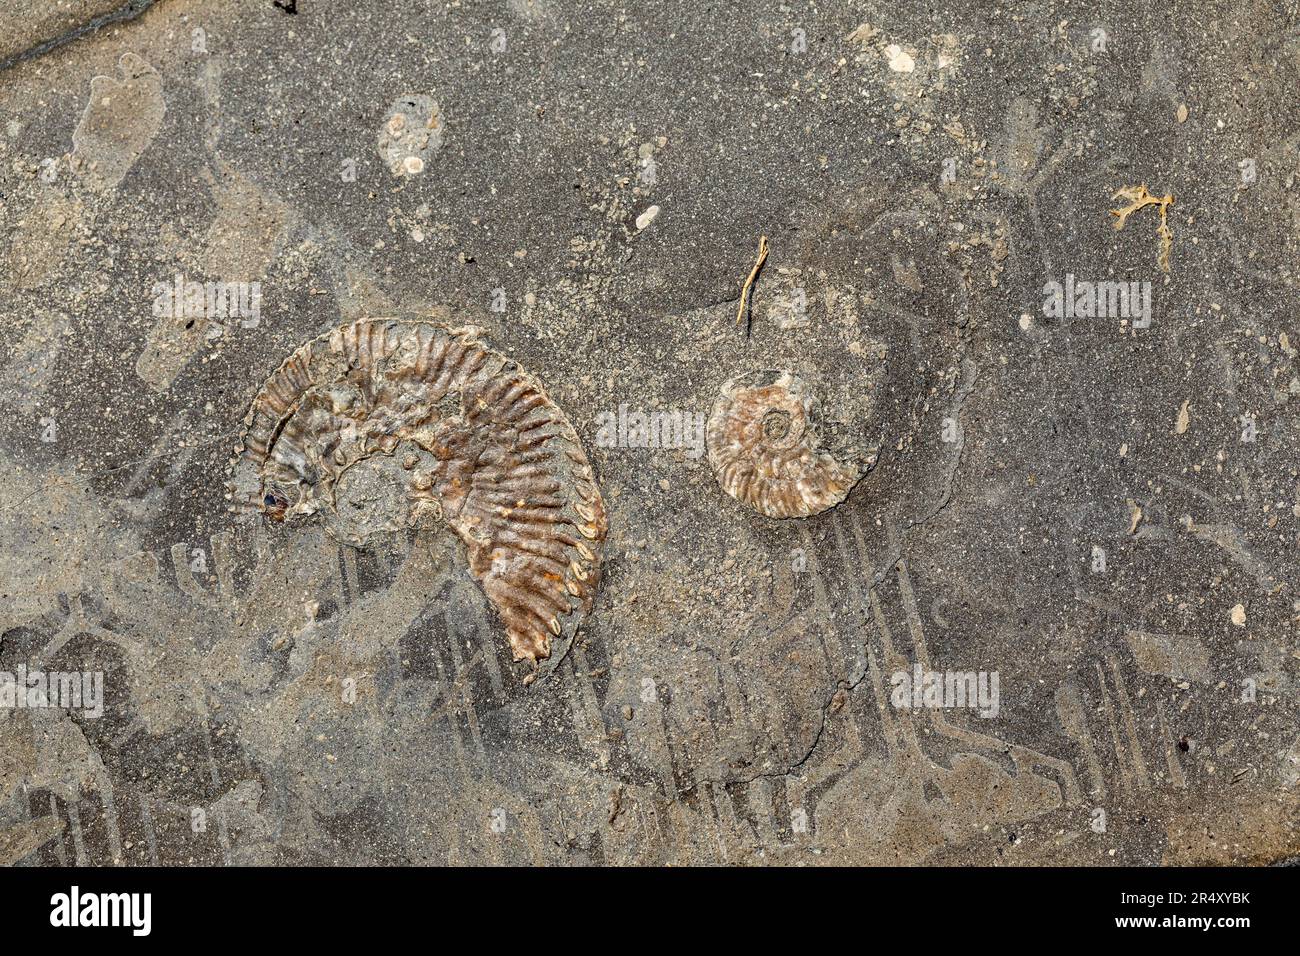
(1139, 197)
(743, 311)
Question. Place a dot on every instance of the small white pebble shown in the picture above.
(899, 59)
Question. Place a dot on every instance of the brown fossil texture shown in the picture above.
(385, 424)
(766, 451)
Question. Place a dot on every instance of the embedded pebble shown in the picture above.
(410, 134)
(900, 61)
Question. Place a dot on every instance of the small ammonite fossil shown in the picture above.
(385, 424)
(766, 449)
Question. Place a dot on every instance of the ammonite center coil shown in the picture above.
(384, 424)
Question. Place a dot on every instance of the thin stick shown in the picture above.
(742, 312)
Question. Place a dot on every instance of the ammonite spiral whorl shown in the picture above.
(383, 424)
(766, 450)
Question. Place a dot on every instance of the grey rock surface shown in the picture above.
(1089, 503)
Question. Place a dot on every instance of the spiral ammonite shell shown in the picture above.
(383, 424)
(766, 451)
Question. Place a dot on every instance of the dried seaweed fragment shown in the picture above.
(766, 449)
(1139, 198)
(383, 424)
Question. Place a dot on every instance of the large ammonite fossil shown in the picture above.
(384, 424)
(765, 446)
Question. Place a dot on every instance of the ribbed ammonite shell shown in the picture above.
(384, 424)
(765, 448)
